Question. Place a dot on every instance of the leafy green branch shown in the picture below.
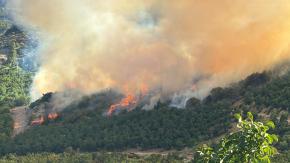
(251, 143)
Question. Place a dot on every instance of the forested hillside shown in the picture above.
(83, 126)
(14, 81)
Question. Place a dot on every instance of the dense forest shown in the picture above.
(82, 125)
(98, 157)
(15, 82)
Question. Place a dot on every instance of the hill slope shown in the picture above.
(83, 126)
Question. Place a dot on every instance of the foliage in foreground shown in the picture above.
(252, 143)
(97, 157)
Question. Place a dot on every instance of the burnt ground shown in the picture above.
(21, 116)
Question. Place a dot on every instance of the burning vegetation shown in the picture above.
(38, 121)
(129, 102)
(52, 116)
(41, 119)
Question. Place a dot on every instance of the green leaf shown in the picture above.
(238, 117)
(251, 143)
(270, 124)
(250, 116)
(270, 139)
(275, 137)
(265, 159)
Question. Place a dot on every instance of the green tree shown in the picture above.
(15, 82)
(14, 91)
(252, 143)
(12, 58)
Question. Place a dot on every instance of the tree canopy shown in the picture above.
(251, 143)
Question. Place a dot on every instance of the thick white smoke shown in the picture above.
(91, 45)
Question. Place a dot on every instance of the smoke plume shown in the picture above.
(91, 45)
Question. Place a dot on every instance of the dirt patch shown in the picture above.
(21, 116)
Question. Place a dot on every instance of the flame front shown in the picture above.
(129, 101)
(52, 116)
(38, 121)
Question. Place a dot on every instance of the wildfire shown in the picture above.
(144, 89)
(129, 100)
(38, 121)
(17, 125)
(52, 116)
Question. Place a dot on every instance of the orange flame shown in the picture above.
(125, 102)
(52, 116)
(38, 121)
(129, 101)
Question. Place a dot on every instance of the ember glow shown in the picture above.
(128, 103)
(16, 125)
(94, 45)
(52, 116)
(38, 121)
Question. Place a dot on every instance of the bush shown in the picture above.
(251, 143)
